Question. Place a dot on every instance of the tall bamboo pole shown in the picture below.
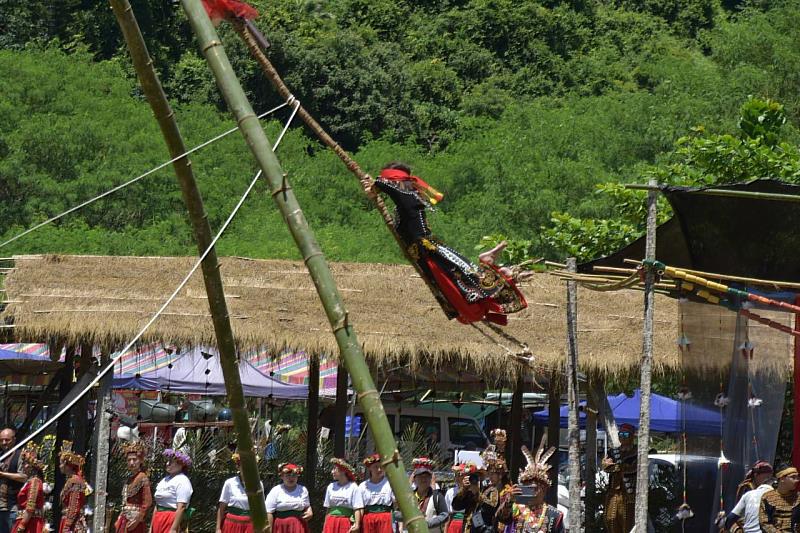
(554, 432)
(286, 201)
(210, 265)
(643, 462)
(573, 431)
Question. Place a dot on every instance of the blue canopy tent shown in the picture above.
(13, 364)
(199, 372)
(666, 415)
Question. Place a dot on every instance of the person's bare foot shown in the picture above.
(488, 257)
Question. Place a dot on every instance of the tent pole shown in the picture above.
(643, 462)
(554, 432)
(573, 431)
(210, 265)
(312, 435)
(282, 194)
(340, 415)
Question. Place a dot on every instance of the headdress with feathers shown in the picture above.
(537, 470)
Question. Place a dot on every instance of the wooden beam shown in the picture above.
(515, 428)
(554, 432)
(310, 468)
(573, 429)
(340, 415)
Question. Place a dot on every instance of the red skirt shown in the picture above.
(162, 521)
(290, 524)
(455, 525)
(122, 526)
(237, 524)
(337, 524)
(78, 525)
(468, 312)
(35, 525)
(377, 523)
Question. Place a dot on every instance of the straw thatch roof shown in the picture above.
(273, 304)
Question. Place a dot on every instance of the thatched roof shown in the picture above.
(273, 304)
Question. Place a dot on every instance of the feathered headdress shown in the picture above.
(494, 456)
(537, 470)
(70, 457)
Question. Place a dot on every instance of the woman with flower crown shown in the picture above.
(30, 499)
(136, 495)
(73, 495)
(343, 500)
(233, 513)
(173, 494)
(288, 504)
(377, 497)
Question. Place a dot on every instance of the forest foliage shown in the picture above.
(526, 114)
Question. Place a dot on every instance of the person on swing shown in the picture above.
(475, 292)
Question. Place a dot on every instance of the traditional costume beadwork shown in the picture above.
(171, 491)
(73, 495)
(342, 501)
(136, 495)
(287, 506)
(778, 511)
(472, 292)
(237, 505)
(539, 517)
(621, 495)
(30, 499)
(378, 499)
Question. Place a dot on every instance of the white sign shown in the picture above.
(464, 456)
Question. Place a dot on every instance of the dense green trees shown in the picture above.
(517, 111)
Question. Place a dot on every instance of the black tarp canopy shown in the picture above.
(736, 236)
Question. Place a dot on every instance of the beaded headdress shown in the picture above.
(70, 457)
(138, 447)
(30, 455)
(494, 456)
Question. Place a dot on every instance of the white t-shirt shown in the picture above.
(377, 493)
(234, 495)
(448, 498)
(173, 490)
(347, 495)
(748, 507)
(280, 499)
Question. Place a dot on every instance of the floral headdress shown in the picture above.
(372, 459)
(537, 469)
(289, 468)
(471, 468)
(179, 457)
(345, 467)
(70, 457)
(422, 465)
(237, 458)
(30, 456)
(138, 447)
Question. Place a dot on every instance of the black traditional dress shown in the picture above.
(475, 292)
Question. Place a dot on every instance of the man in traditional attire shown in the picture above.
(621, 496)
(744, 516)
(535, 516)
(779, 506)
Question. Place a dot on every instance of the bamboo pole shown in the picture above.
(750, 195)
(643, 461)
(573, 429)
(212, 278)
(318, 268)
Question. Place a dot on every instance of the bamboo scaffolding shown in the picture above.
(283, 195)
(212, 278)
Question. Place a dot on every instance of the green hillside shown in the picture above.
(514, 109)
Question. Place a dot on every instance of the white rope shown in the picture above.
(137, 178)
(113, 361)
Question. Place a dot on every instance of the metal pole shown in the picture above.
(286, 201)
(202, 233)
(643, 462)
(574, 430)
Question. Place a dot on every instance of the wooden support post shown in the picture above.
(62, 427)
(80, 411)
(310, 468)
(643, 462)
(573, 428)
(796, 390)
(102, 447)
(514, 454)
(340, 414)
(590, 500)
(554, 432)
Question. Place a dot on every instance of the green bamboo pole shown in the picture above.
(304, 237)
(210, 266)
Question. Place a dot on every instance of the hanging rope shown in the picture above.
(132, 181)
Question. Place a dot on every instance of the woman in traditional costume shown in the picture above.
(136, 494)
(288, 504)
(30, 499)
(233, 514)
(73, 495)
(173, 494)
(378, 498)
(474, 292)
(534, 516)
(342, 500)
(460, 471)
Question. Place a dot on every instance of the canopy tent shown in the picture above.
(30, 368)
(198, 371)
(666, 415)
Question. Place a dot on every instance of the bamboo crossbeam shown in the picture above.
(771, 323)
(716, 275)
(751, 195)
